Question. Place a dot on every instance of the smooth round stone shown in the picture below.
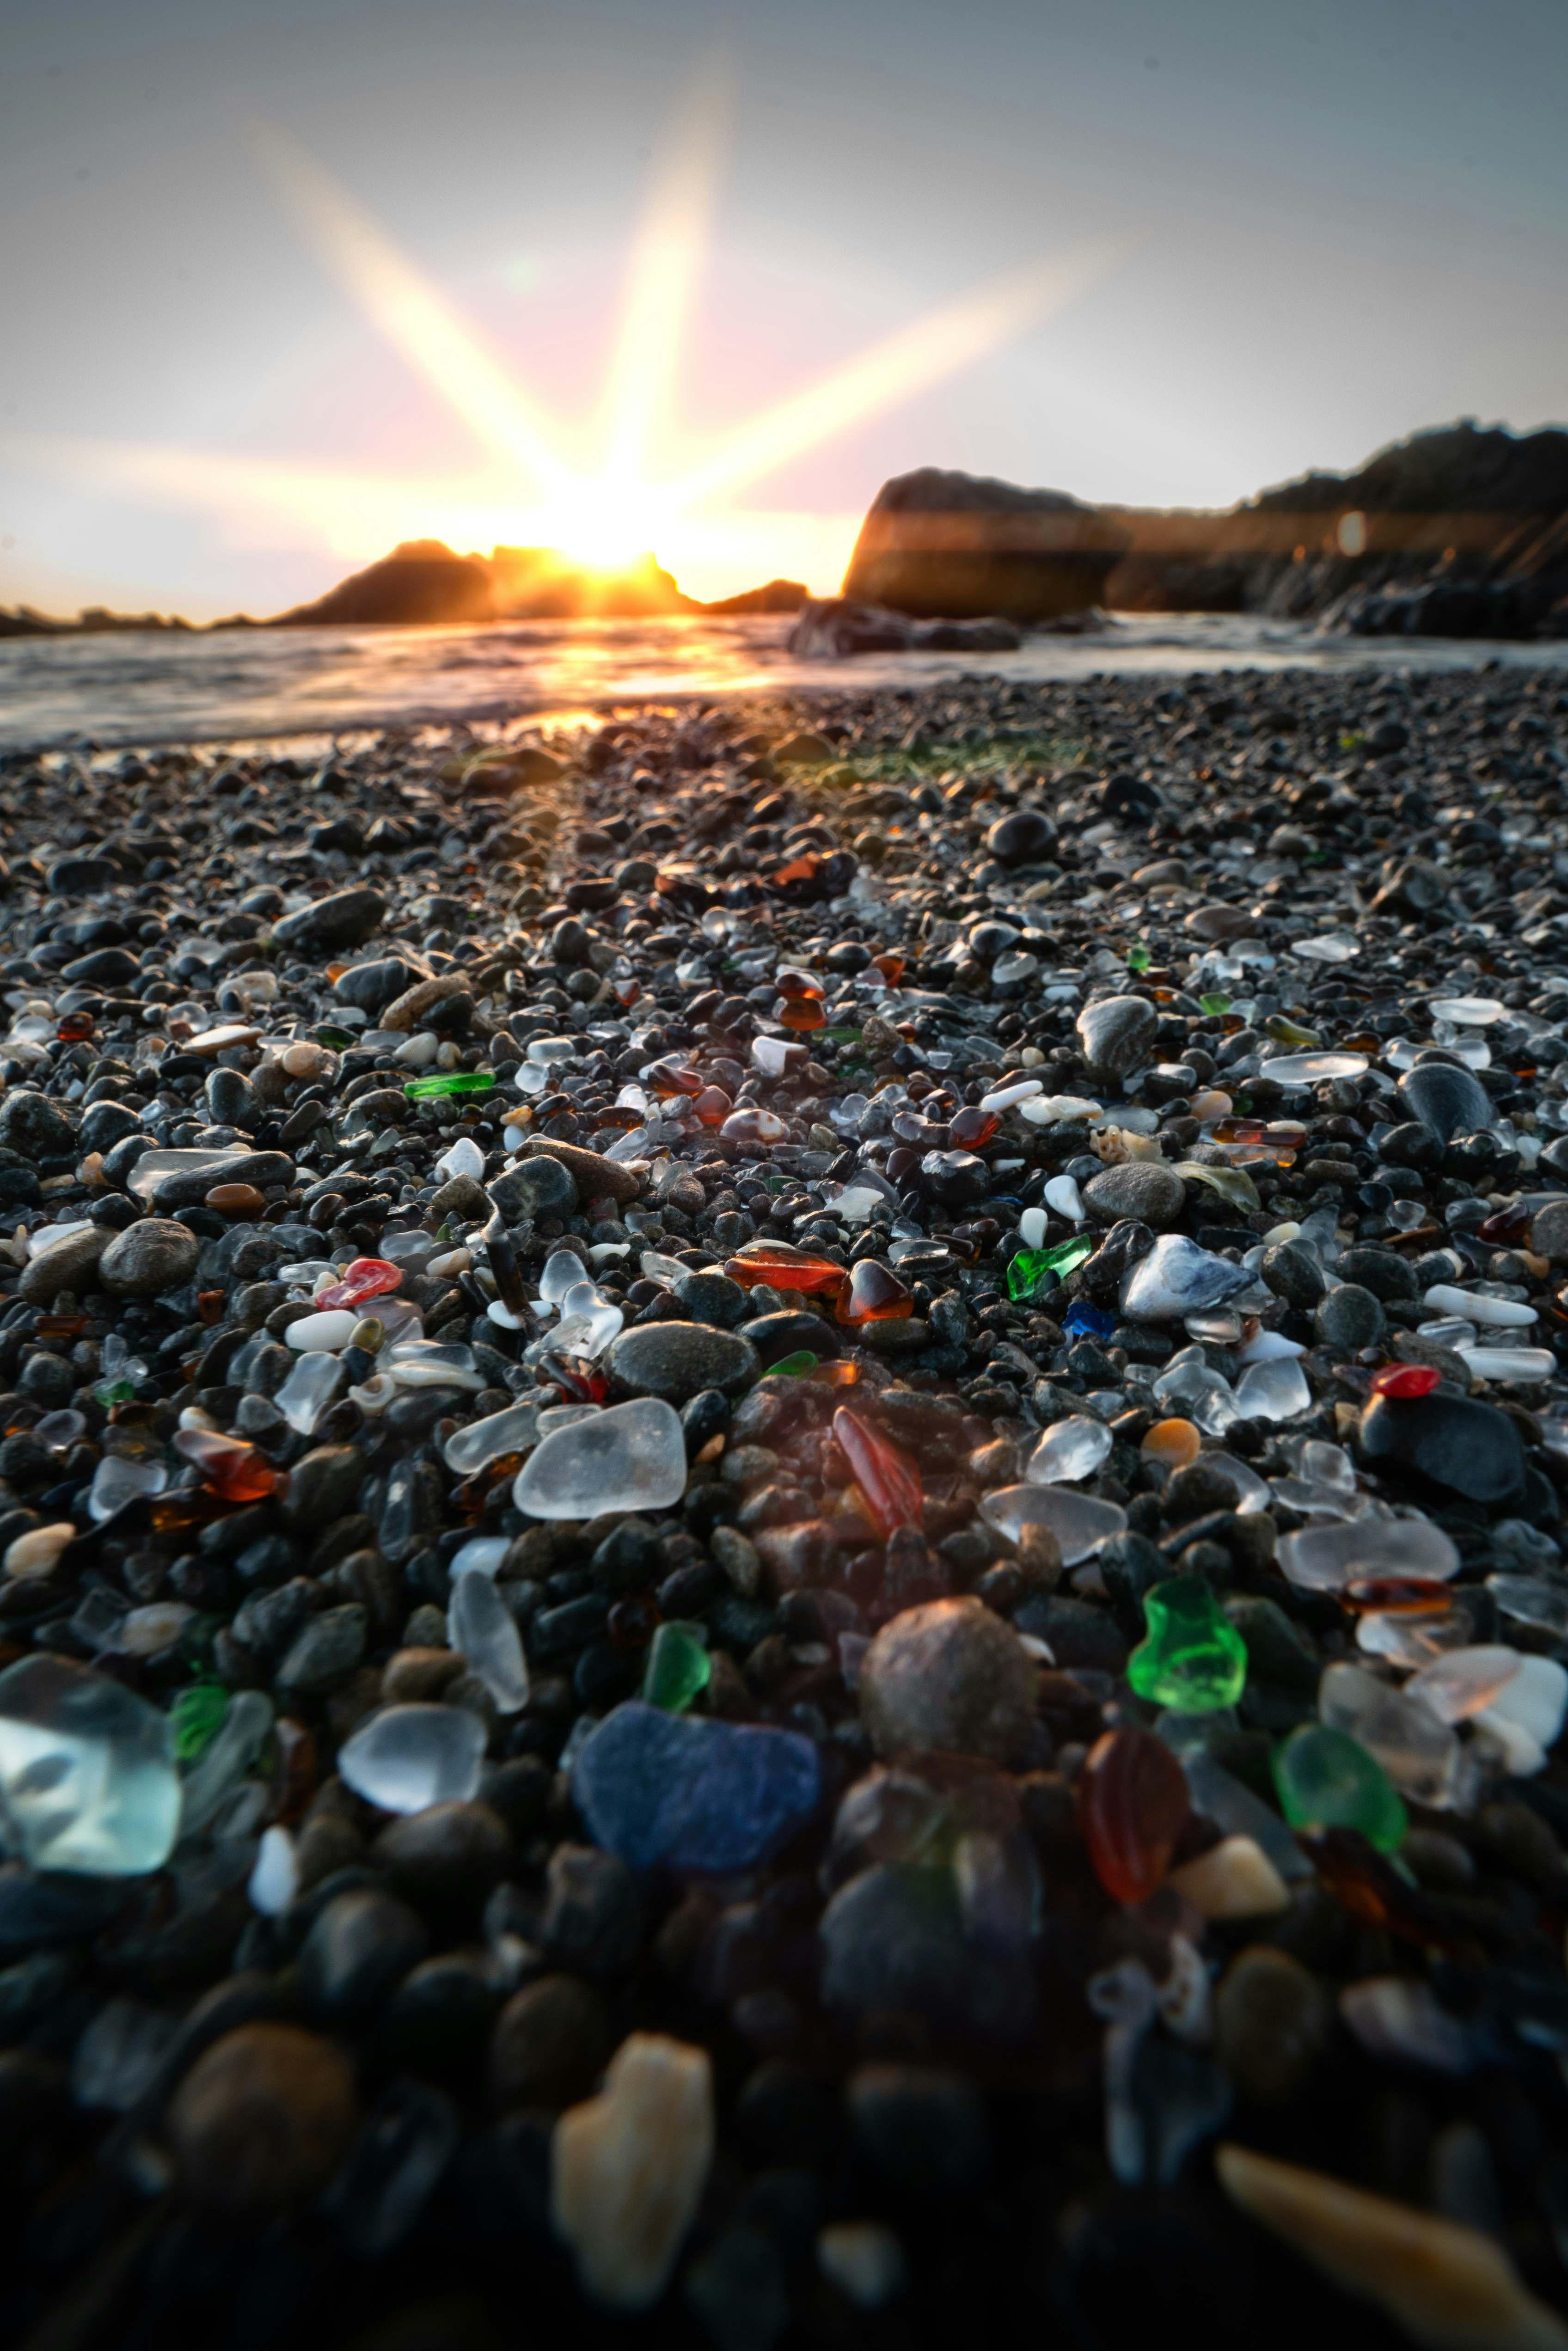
(327, 1333)
(341, 920)
(536, 1188)
(1462, 1446)
(1448, 1100)
(34, 1125)
(149, 1257)
(1080, 1523)
(447, 1856)
(1272, 2025)
(1293, 1272)
(711, 1298)
(790, 1329)
(1019, 836)
(68, 1264)
(950, 1675)
(234, 1200)
(548, 2046)
(1145, 1188)
(360, 1946)
(1348, 1318)
(630, 1458)
(1327, 1558)
(1117, 1034)
(263, 2119)
(676, 1360)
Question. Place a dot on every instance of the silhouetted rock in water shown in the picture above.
(23, 621)
(1458, 532)
(422, 583)
(773, 596)
(832, 628)
(942, 545)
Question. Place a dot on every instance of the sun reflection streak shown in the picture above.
(409, 311)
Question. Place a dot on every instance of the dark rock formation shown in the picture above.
(957, 546)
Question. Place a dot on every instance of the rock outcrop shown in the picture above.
(949, 546)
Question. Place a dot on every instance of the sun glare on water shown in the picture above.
(530, 489)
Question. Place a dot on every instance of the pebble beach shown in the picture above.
(781, 1551)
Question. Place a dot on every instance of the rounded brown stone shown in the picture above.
(234, 1200)
(948, 1675)
(549, 2044)
(263, 2119)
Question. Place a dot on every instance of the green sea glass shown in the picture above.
(450, 1082)
(1137, 958)
(1193, 1658)
(197, 1717)
(678, 1667)
(794, 1367)
(1214, 1004)
(1326, 1780)
(1030, 1271)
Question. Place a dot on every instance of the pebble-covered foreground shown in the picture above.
(782, 1528)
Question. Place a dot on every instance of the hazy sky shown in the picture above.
(1321, 227)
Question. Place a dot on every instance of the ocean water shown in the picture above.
(149, 687)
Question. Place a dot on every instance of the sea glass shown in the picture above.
(783, 1266)
(118, 1480)
(1464, 1681)
(367, 1277)
(1326, 1780)
(1132, 1805)
(481, 1625)
(695, 1794)
(88, 1781)
(450, 1082)
(678, 1668)
(1406, 1380)
(1177, 1278)
(314, 1384)
(407, 1758)
(195, 1719)
(889, 1481)
(1070, 1450)
(1079, 1522)
(753, 1129)
(1327, 1558)
(798, 1366)
(236, 1471)
(1193, 1658)
(632, 1457)
(1415, 1746)
(873, 1294)
(483, 1441)
(1031, 1273)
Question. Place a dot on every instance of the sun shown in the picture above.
(605, 524)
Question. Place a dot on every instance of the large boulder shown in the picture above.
(957, 546)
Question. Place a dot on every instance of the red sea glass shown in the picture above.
(236, 1471)
(801, 1014)
(367, 1277)
(891, 967)
(785, 1267)
(796, 984)
(1406, 1380)
(972, 1128)
(672, 1078)
(888, 1480)
(873, 1294)
(1510, 1224)
(74, 1027)
(804, 868)
(1132, 1805)
(577, 1379)
(712, 1106)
